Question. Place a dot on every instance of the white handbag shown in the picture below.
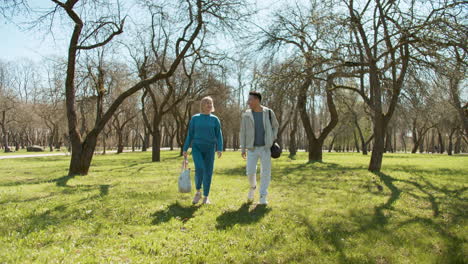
(185, 183)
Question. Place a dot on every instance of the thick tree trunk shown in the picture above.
(454, 84)
(458, 143)
(82, 155)
(364, 149)
(292, 136)
(356, 143)
(315, 151)
(415, 146)
(379, 144)
(365, 144)
(432, 145)
(51, 146)
(171, 141)
(120, 145)
(441, 143)
(156, 150)
(423, 141)
(6, 148)
(388, 142)
(16, 141)
(145, 140)
(315, 144)
(5, 143)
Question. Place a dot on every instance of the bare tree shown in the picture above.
(7, 104)
(310, 31)
(51, 106)
(103, 32)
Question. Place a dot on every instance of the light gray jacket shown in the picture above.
(247, 129)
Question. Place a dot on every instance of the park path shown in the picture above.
(67, 154)
(57, 154)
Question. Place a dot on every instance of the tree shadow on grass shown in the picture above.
(62, 181)
(453, 251)
(104, 189)
(60, 215)
(242, 216)
(235, 171)
(318, 172)
(175, 210)
(36, 222)
(394, 196)
(33, 199)
(427, 188)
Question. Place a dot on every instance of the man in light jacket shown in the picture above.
(258, 131)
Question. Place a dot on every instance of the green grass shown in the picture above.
(127, 210)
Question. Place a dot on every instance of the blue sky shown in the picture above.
(18, 42)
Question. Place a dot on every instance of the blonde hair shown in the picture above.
(204, 100)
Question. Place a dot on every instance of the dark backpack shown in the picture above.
(275, 148)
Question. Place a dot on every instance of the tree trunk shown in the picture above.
(315, 144)
(450, 144)
(423, 140)
(156, 150)
(458, 143)
(226, 141)
(441, 142)
(356, 143)
(104, 144)
(292, 136)
(5, 133)
(134, 138)
(146, 139)
(120, 145)
(432, 146)
(388, 141)
(171, 141)
(82, 155)
(379, 143)
(403, 141)
(315, 151)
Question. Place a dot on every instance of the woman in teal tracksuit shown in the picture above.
(205, 136)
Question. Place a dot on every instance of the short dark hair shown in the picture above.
(256, 94)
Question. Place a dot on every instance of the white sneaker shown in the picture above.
(263, 200)
(197, 198)
(250, 196)
(206, 200)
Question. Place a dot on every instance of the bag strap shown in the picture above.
(271, 124)
(184, 163)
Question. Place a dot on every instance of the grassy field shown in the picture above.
(24, 152)
(127, 210)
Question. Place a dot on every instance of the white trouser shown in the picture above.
(264, 154)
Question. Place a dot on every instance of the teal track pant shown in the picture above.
(203, 156)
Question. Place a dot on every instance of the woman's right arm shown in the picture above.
(189, 138)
